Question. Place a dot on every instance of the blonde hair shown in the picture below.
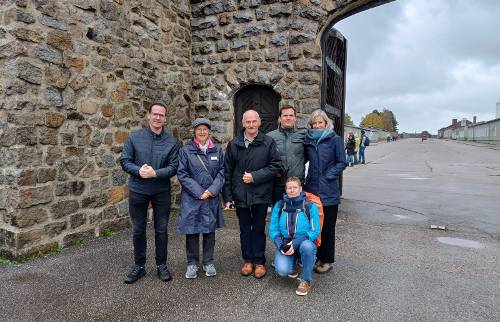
(322, 114)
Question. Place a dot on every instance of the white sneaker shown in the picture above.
(192, 271)
(209, 270)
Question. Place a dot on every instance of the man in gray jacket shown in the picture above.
(290, 142)
(150, 157)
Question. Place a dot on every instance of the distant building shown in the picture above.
(486, 131)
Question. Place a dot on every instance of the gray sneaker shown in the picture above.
(209, 270)
(191, 271)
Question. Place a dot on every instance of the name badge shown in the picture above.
(213, 158)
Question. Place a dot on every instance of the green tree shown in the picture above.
(390, 123)
(372, 120)
(347, 119)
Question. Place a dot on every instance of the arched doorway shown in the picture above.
(262, 99)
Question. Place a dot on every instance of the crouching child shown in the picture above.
(294, 228)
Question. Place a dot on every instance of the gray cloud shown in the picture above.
(427, 60)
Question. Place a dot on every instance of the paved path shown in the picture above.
(390, 265)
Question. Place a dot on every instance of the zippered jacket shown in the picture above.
(261, 158)
(290, 144)
(326, 162)
(293, 226)
(157, 150)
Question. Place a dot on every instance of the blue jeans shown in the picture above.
(285, 265)
(349, 158)
(253, 233)
(138, 208)
(361, 156)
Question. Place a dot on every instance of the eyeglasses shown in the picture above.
(158, 115)
(201, 130)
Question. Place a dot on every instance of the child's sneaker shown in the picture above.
(303, 288)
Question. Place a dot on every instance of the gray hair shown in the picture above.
(322, 114)
(249, 112)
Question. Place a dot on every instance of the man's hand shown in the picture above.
(247, 177)
(147, 172)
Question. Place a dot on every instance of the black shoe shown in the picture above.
(163, 273)
(136, 273)
(363, 162)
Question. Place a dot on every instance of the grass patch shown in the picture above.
(8, 262)
(106, 233)
(53, 250)
(79, 243)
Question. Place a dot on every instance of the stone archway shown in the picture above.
(261, 98)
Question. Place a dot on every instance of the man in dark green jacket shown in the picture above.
(250, 164)
(290, 142)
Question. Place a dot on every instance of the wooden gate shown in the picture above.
(260, 98)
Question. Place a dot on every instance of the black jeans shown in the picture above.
(253, 233)
(138, 208)
(326, 252)
(193, 248)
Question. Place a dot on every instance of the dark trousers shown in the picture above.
(193, 248)
(138, 208)
(253, 233)
(326, 252)
(278, 191)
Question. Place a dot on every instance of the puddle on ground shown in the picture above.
(460, 242)
(416, 178)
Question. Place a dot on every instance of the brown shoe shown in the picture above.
(260, 271)
(303, 288)
(247, 269)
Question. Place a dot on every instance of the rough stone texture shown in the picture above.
(77, 76)
(76, 79)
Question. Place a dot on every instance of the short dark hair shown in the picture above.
(157, 104)
(288, 107)
(293, 179)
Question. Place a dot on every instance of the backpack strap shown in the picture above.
(280, 209)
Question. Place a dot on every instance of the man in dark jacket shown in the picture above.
(251, 162)
(290, 142)
(150, 157)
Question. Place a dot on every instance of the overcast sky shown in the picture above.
(426, 60)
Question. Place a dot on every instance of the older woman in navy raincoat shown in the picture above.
(201, 175)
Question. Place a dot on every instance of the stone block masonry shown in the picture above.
(76, 79)
(77, 75)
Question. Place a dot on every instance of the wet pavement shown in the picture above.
(391, 266)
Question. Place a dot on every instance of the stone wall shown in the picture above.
(268, 42)
(76, 78)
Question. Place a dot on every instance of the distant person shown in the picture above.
(365, 141)
(150, 157)
(251, 163)
(388, 139)
(350, 146)
(201, 175)
(356, 149)
(324, 150)
(290, 142)
(293, 229)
